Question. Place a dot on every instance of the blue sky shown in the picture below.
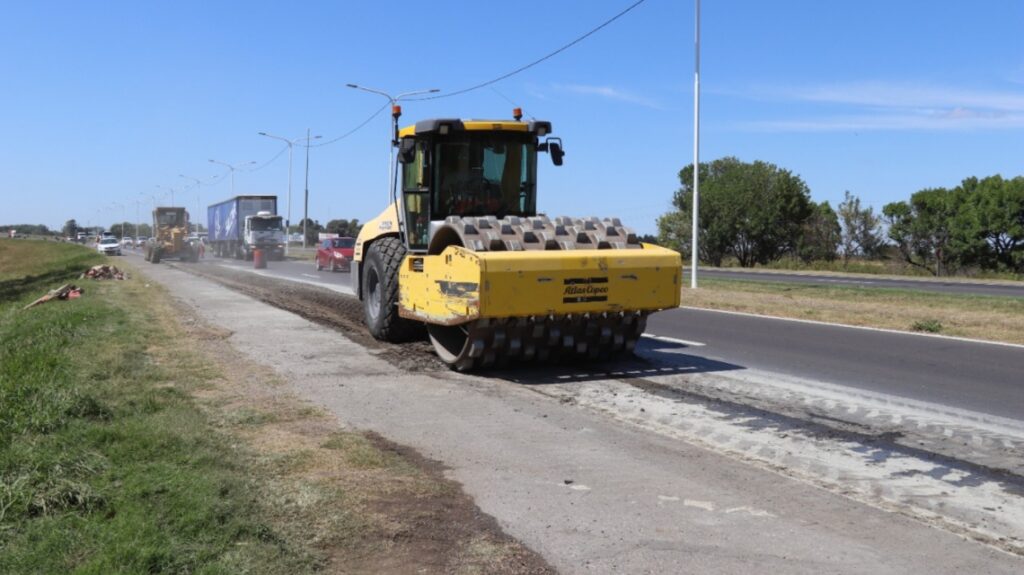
(103, 102)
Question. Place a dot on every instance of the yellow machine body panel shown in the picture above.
(383, 225)
(460, 285)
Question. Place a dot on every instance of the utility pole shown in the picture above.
(291, 144)
(696, 150)
(199, 185)
(305, 214)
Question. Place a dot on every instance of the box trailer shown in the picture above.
(242, 224)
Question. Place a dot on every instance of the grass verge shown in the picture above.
(133, 439)
(973, 316)
(106, 463)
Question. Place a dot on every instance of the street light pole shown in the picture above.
(291, 144)
(393, 128)
(305, 210)
(696, 150)
(199, 184)
(153, 197)
(124, 217)
(232, 168)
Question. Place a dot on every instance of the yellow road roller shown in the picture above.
(462, 251)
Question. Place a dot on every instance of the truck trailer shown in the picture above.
(242, 224)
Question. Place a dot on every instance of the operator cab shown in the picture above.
(463, 168)
(170, 217)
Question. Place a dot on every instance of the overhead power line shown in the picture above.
(353, 130)
(537, 61)
(268, 162)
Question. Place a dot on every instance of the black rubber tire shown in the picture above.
(380, 293)
(155, 257)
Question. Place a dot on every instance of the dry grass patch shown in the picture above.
(981, 317)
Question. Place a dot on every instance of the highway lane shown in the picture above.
(930, 285)
(976, 376)
(301, 271)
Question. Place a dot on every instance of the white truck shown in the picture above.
(239, 226)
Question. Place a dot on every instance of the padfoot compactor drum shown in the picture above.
(462, 251)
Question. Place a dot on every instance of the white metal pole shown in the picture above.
(287, 226)
(696, 150)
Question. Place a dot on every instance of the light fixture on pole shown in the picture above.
(288, 216)
(232, 168)
(393, 127)
(170, 189)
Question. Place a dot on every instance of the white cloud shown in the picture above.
(612, 94)
(958, 120)
(876, 106)
(886, 95)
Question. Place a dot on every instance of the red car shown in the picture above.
(336, 254)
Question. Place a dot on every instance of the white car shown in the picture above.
(109, 246)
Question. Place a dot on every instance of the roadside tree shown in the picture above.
(70, 229)
(821, 235)
(753, 211)
(342, 227)
(926, 230)
(861, 229)
(997, 210)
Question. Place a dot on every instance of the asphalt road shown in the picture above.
(981, 377)
(950, 287)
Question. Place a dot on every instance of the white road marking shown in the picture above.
(861, 327)
(333, 287)
(673, 340)
(310, 276)
(705, 505)
(752, 511)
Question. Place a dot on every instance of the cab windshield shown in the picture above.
(170, 218)
(484, 174)
(266, 224)
(343, 242)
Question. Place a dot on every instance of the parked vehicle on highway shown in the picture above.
(109, 246)
(335, 254)
(243, 224)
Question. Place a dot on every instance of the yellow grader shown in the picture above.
(170, 230)
(462, 250)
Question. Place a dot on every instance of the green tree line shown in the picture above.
(759, 213)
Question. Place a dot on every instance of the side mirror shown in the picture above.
(554, 147)
(407, 151)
